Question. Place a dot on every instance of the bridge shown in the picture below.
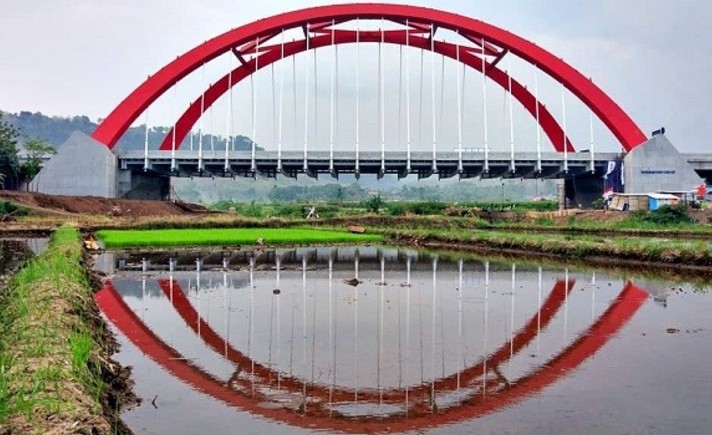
(467, 164)
(297, 124)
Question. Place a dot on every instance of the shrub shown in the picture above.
(6, 207)
(668, 215)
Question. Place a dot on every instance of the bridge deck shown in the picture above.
(292, 163)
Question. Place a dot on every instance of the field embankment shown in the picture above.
(55, 373)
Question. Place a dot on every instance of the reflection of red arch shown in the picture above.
(185, 309)
(611, 321)
(620, 124)
(182, 128)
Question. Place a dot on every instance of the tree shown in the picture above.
(374, 203)
(37, 150)
(9, 163)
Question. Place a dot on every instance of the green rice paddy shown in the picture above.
(227, 236)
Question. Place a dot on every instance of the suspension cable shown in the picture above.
(407, 96)
(253, 163)
(484, 106)
(459, 91)
(538, 126)
(280, 134)
(432, 96)
(512, 163)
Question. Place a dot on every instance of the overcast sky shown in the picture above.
(82, 57)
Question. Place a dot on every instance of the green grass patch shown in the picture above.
(49, 352)
(228, 236)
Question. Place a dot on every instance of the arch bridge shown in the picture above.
(371, 148)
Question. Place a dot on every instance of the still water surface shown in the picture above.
(365, 339)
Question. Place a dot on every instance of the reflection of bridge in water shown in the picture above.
(262, 387)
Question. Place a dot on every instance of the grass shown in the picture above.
(227, 236)
(49, 376)
(580, 246)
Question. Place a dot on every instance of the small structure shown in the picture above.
(657, 200)
(629, 202)
(642, 201)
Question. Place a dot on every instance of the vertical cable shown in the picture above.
(484, 106)
(316, 105)
(294, 100)
(173, 134)
(592, 147)
(459, 116)
(420, 99)
(407, 96)
(200, 128)
(212, 129)
(432, 97)
(381, 104)
(280, 135)
(538, 125)
(358, 96)
(228, 127)
(563, 110)
(253, 163)
(400, 96)
(331, 104)
(145, 145)
(305, 166)
(512, 166)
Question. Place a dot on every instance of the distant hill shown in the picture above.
(57, 129)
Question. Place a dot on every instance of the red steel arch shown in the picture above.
(588, 343)
(182, 127)
(619, 123)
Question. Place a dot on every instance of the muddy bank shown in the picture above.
(58, 377)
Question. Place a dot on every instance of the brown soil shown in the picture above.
(68, 205)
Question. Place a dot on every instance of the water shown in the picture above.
(364, 340)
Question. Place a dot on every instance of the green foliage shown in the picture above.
(421, 208)
(7, 207)
(9, 163)
(222, 237)
(37, 149)
(374, 203)
(545, 205)
(330, 192)
(668, 215)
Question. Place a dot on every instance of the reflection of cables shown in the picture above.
(501, 394)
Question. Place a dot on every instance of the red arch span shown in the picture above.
(591, 341)
(522, 338)
(620, 124)
(400, 37)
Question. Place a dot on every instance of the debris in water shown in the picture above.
(352, 282)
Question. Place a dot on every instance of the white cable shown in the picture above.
(432, 97)
(253, 162)
(459, 113)
(407, 96)
(538, 125)
(511, 115)
(484, 106)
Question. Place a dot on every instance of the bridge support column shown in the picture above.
(657, 166)
(82, 166)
